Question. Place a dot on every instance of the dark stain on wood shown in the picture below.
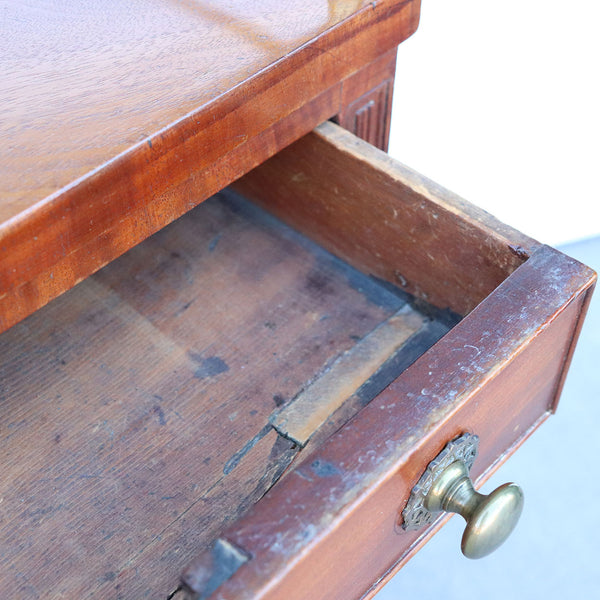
(160, 414)
(318, 283)
(209, 367)
(323, 468)
(213, 243)
(279, 400)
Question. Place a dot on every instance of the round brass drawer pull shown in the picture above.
(446, 486)
(490, 519)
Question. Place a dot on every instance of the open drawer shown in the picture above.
(231, 401)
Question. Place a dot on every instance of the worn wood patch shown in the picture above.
(430, 332)
(311, 408)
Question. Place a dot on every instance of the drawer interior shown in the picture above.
(148, 407)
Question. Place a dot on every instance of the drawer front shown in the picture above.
(331, 527)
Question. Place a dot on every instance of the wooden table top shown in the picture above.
(84, 83)
(115, 116)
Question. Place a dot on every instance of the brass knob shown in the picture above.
(446, 486)
(490, 519)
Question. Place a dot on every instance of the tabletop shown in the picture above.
(118, 118)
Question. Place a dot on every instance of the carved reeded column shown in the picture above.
(367, 101)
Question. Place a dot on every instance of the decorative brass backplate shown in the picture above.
(463, 448)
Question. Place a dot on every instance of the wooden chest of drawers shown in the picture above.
(239, 406)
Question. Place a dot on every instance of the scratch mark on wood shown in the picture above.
(213, 243)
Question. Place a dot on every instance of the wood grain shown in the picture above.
(82, 84)
(135, 408)
(387, 220)
(330, 527)
(105, 142)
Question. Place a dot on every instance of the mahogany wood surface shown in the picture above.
(118, 118)
(135, 407)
